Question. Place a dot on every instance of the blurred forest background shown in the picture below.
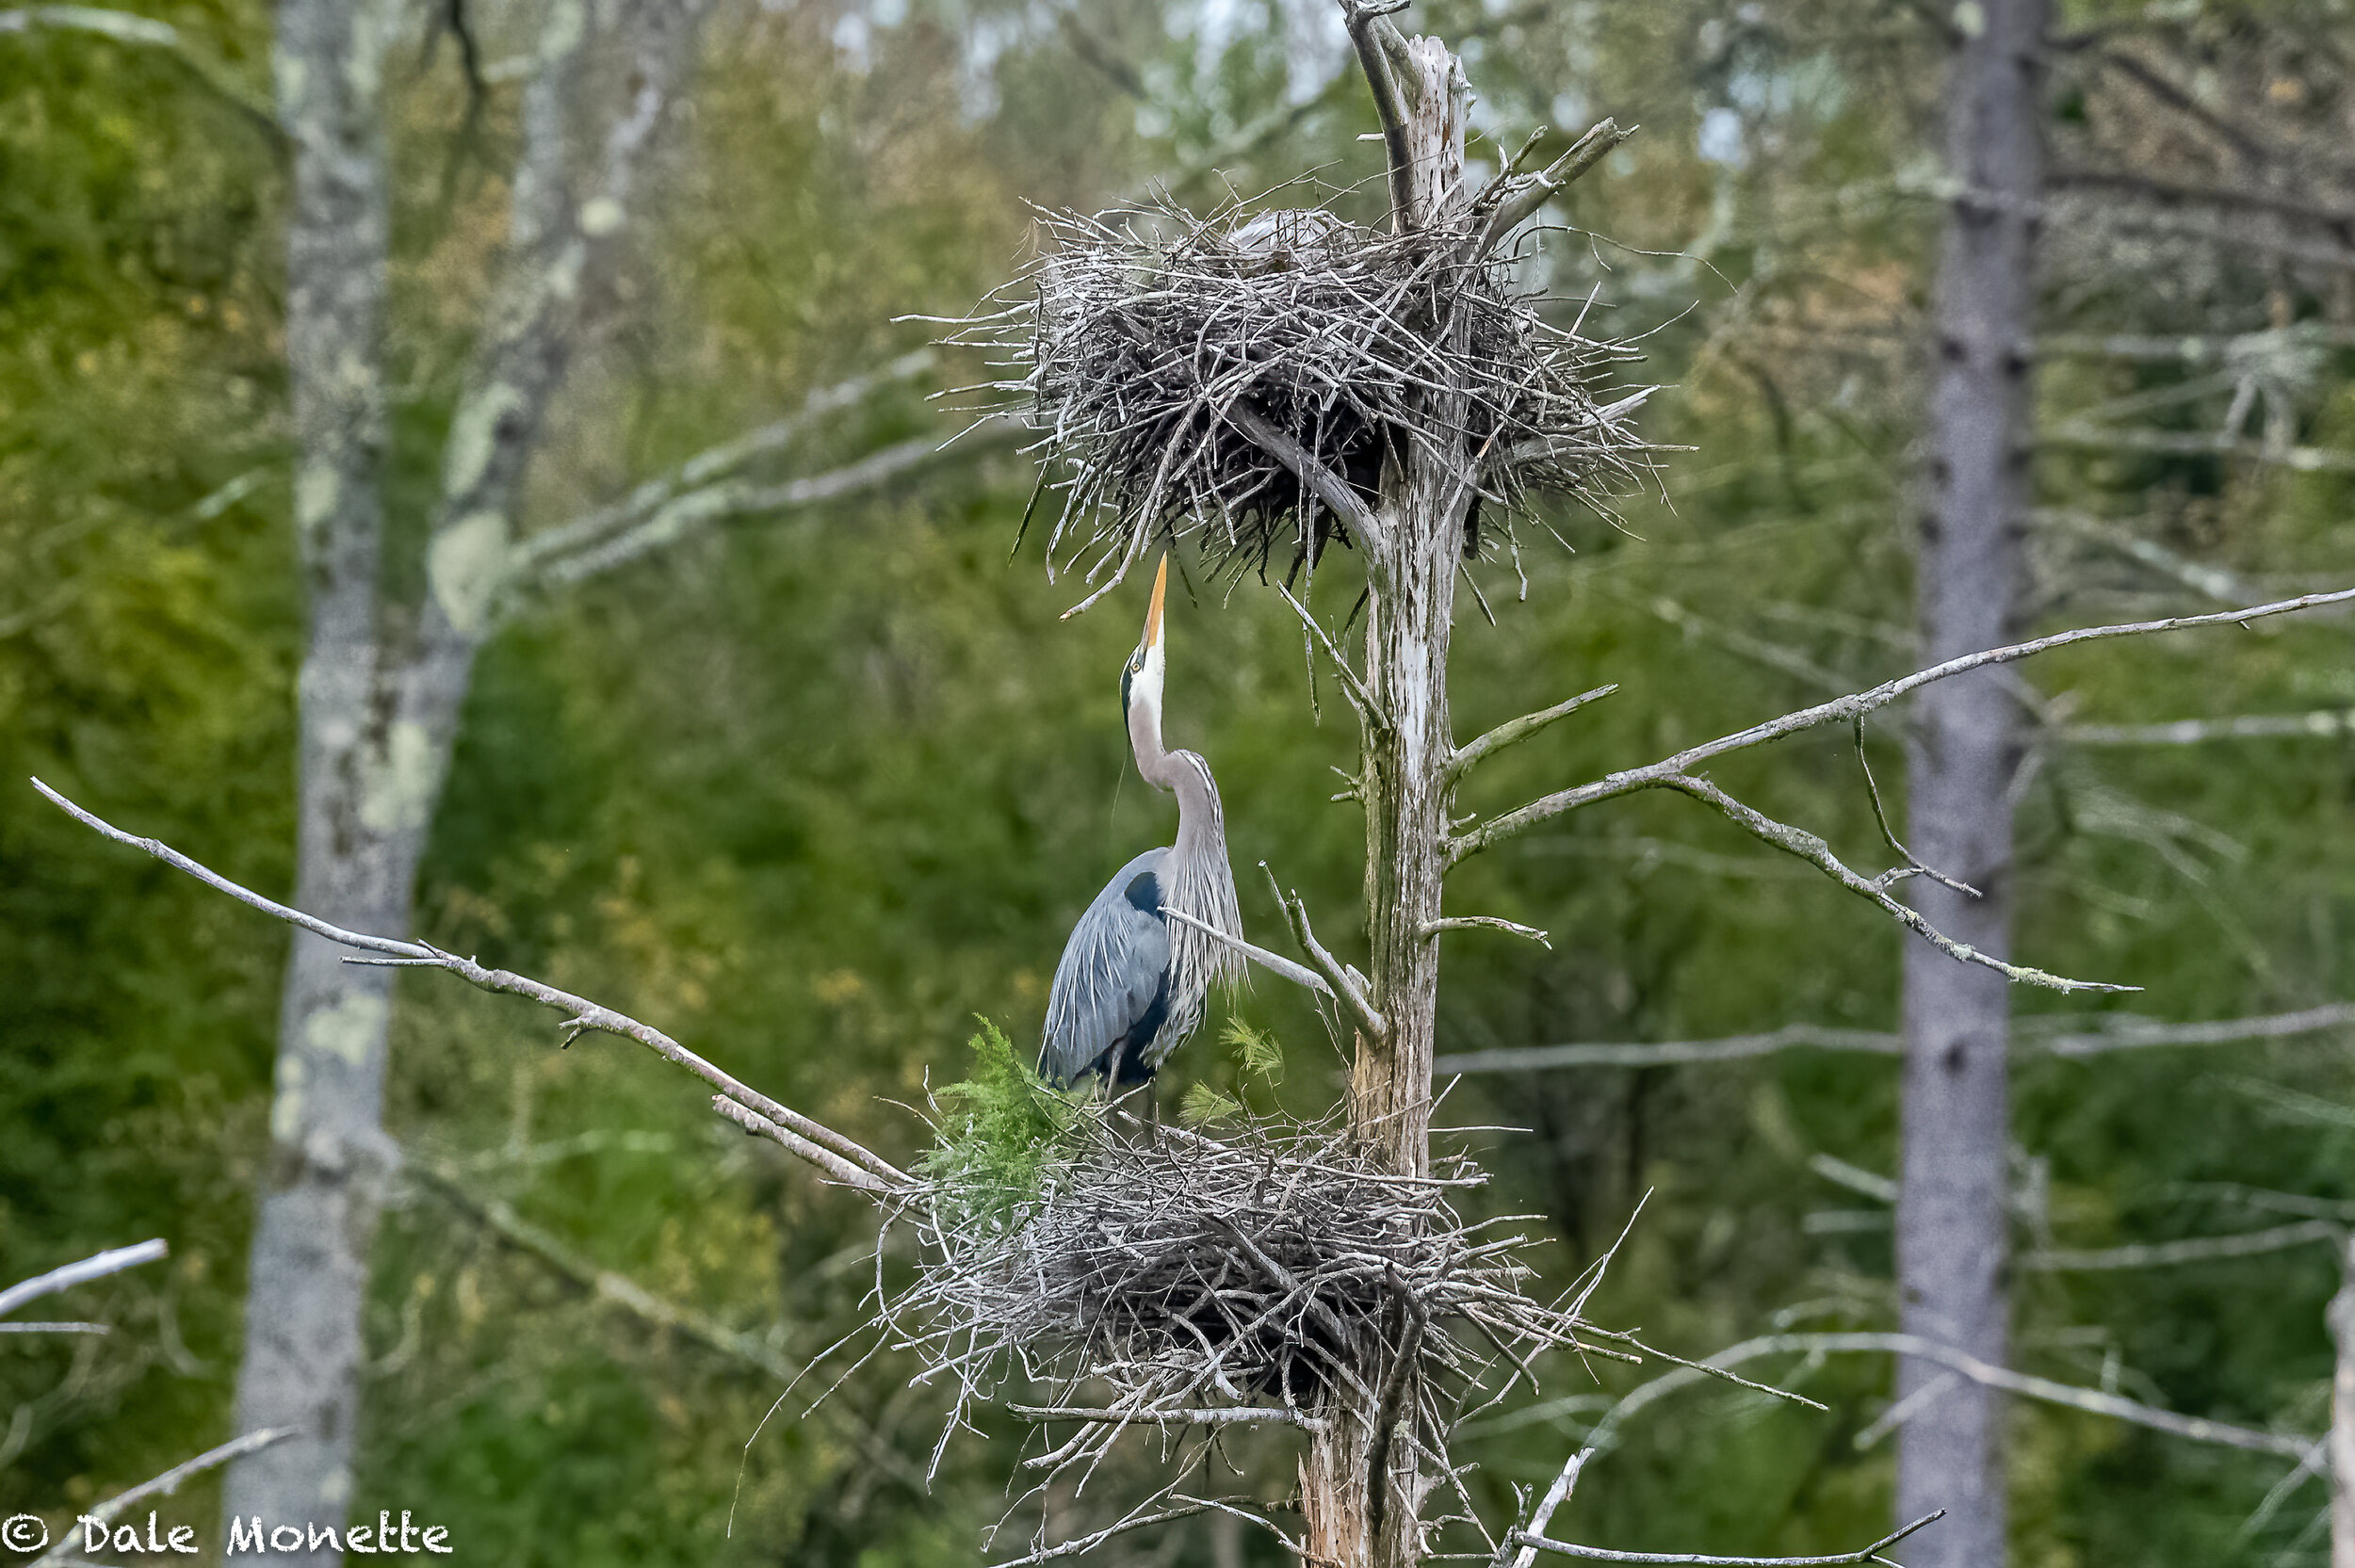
(812, 788)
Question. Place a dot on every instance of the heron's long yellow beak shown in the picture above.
(1153, 614)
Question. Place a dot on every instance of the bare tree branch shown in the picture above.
(1520, 197)
(2328, 723)
(94, 1267)
(2046, 1033)
(839, 1157)
(1536, 1058)
(2209, 581)
(1275, 963)
(550, 549)
(607, 1285)
(1542, 1515)
(687, 514)
(1381, 52)
(1486, 923)
(2164, 1255)
(2176, 193)
(1809, 848)
(1327, 486)
(1863, 1554)
(145, 32)
(2196, 1429)
(2131, 1033)
(164, 1486)
(1675, 772)
(2194, 347)
(1347, 985)
(2298, 460)
(1514, 730)
(1227, 1415)
(1369, 711)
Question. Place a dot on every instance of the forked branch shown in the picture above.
(1808, 848)
(1520, 196)
(1347, 985)
(839, 1157)
(1669, 771)
(1275, 962)
(1679, 773)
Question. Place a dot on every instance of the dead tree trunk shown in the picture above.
(1362, 1481)
(381, 686)
(1964, 751)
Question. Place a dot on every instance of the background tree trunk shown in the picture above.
(381, 690)
(358, 842)
(1964, 751)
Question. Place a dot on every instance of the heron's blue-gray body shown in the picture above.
(1110, 1007)
(1132, 982)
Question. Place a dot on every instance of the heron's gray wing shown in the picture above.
(1111, 971)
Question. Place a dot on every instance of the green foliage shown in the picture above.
(1004, 1131)
(1256, 1050)
(1204, 1105)
(1256, 1055)
(811, 792)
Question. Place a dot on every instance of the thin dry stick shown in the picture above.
(1603, 1554)
(2196, 1429)
(2034, 1033)
(627, 1293)
(839, 1157)
(94, 1267)
(1808, 848)
(165, 1484)
(2199, 1248)
(1542, 1515)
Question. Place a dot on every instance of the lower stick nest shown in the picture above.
(1164, 1277)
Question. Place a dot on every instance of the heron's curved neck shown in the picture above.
(1183, 773)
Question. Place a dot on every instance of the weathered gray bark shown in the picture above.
(1353, 1514)
(1964, 751)
(328, 1157)
(380, 690)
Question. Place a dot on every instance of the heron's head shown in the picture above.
(1141, 678)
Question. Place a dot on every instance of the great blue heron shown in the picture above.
(1132, 981)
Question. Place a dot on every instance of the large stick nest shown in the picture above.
(1171, 1278)
(1138, 332)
